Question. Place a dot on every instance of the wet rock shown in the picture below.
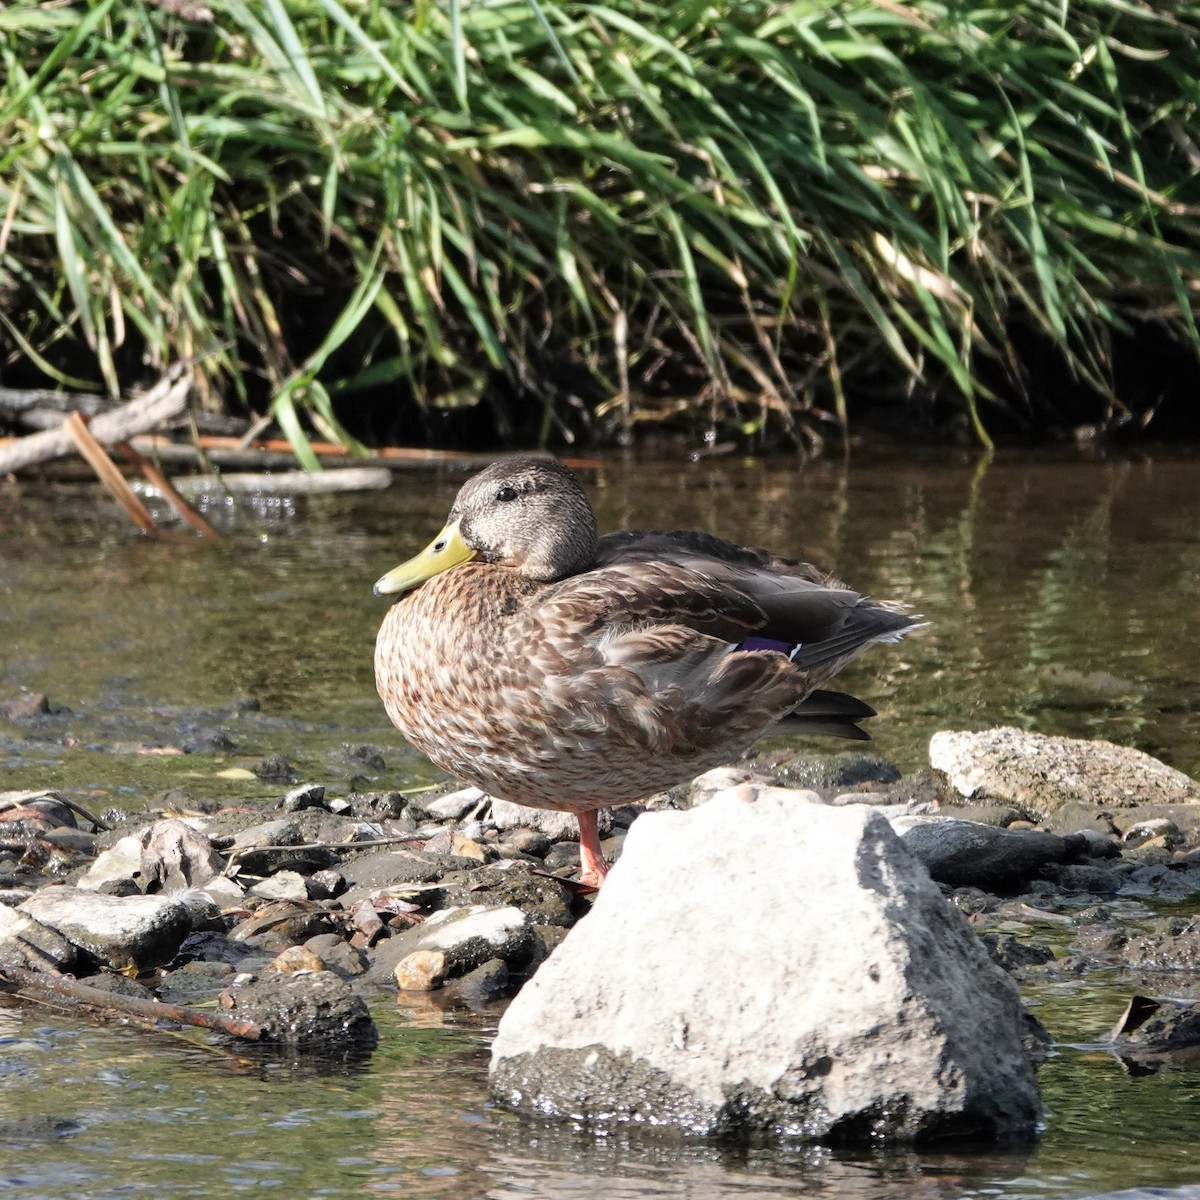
(1015, 955)
(362, 757)
(118, 985)
(77, 841)
(207, 741)
(966, 854)
(709, 989)
(25, 942)
(547, 901)
(531, 842)
(275, 769)
(835, 772)
(338, 955)
(489, 983)
(175, 856)
(1159, 1033)
(295, 958)
(31, 814)
(1040, 774)
(1083, 877)
(118, 931)
(325, 885)
(305, 1010)
(194, 981)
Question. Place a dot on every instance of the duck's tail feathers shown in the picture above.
(828, 714)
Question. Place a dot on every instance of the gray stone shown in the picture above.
(305, 1010)
(836, 772)
(557, 826)
(175, 857)
(116, 930)
(1041, 774)
(761, 966)
(452, 807)
(25, 942)
(307, 795)
(967, 854)
(466, 937)
(284, 885)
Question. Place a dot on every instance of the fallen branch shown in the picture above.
(81, 997)
(108, 473)
(166, 399)
(166, 489)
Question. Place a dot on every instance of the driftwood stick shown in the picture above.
(17, 799)
(20, 402)
(108, 473)
(166, 489)
(163, 401)
(80, 997)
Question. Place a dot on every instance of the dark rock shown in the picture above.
(75, 840)
(1014, 955)
(835, 772)
(376, 869)
(382, 806)
(279, 846)
(194, 981)
(338, 955)
(485, 985)
(304, 1010)
(118, 985)
(282, 923)
(25, 942)
(963, 853)
(363, 756)
(207, 741)
(547, 901)
(325, 885)
(1159, 1033)
(1102, 881)
(275, 769)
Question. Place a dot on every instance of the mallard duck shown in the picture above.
(562, 670)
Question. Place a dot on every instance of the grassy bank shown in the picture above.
(596, 214)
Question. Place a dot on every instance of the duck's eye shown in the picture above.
(505, 494)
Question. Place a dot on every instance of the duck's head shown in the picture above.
(528, 513)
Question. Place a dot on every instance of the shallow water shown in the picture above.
(1060, 597)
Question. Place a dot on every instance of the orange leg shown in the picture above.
(592, 867)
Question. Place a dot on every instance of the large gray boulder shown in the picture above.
(757, 965)
(1041, 774)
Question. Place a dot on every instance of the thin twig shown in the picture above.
(81, 997)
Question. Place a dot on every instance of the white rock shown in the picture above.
(770, 965)
(476, 933)
(1041, 774)
(122, 860)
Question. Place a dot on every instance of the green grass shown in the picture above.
(735, 208)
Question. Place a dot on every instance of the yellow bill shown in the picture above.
(445, 551)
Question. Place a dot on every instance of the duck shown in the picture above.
(560, 669)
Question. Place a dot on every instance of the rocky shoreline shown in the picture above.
(1065, 857)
